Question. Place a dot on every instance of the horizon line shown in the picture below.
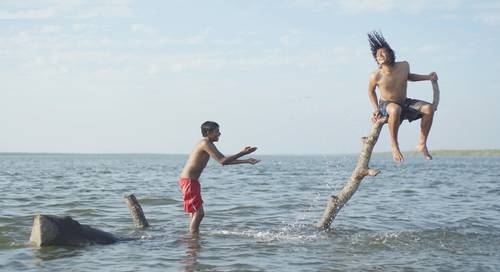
(497, 150)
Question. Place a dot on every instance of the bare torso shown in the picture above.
(196, 163)
(393, 83)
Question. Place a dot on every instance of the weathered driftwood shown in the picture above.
(50, 230)
(65, 231)
(435, 95)
(136, 212)
(335, 203)
(362, 170)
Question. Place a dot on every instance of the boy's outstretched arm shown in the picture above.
(415, 77)
(234, 158)
(249, 161)
(212, 150)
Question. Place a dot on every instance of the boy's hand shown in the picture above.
(253, 161)
(433, 76)
(375, 115)
(248, 150)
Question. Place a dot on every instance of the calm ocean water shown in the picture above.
(442, 215)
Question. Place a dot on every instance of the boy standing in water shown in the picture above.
(189, 178)
(391, 78)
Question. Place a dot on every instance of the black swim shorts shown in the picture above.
(410, 109)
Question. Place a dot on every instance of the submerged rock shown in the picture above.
(65, 231)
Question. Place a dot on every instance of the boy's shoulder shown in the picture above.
(201, 146)
(403, 63)
(204, 142)
(375, 75)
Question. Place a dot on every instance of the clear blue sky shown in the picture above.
(286, 76)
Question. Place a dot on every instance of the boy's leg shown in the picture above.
(425, 127)
(196, 217)
(394, 111)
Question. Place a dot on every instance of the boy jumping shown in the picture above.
(197, 161)
(391, 79)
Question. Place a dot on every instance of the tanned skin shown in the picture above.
(198, 160)
(391, 81)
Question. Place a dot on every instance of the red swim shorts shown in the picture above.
(191, 190)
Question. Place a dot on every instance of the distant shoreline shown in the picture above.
(453, 152)
(439, 152)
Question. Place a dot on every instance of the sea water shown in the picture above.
(439, 215)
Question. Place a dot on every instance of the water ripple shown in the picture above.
(420, 216)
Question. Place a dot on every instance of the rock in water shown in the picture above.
(53, 230)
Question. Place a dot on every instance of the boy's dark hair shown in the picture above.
(207, 127)
(377, 41)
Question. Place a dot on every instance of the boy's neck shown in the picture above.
(386, 68)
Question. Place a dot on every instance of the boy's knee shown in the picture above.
(427, 109)
(393, 109)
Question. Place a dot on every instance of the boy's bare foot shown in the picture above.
(396, 155)
(423, 148)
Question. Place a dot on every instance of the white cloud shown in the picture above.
(356, 6)
(105, 11)
(86, 27)
(27, 14)
(313, 59)
(31, 51)
(491, 18)
(189, 40)
(44, 9)
(292, 37)
(430, 48)
(50, 37)
(361, 6)
(143, 29)
(51, 29)
(153, 69)
(316, 5)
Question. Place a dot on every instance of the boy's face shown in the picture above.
(382, 56)
(214, 135)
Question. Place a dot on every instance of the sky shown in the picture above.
(287, 76)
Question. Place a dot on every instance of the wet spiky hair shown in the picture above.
(377, 41)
